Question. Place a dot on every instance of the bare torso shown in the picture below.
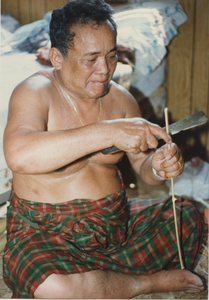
(93, 176)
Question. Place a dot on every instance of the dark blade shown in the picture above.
(191, 121)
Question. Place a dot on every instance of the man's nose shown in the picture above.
(103, 66)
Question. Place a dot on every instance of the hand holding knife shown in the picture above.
(191, 121)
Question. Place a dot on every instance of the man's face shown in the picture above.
(90, 65)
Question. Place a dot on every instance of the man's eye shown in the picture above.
(93, 59)
(113, 56)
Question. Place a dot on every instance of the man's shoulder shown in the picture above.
(121, 93)
(124, 99)
(37, 89)
(117, 88)
(37, 81)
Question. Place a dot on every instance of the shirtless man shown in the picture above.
(59, 121)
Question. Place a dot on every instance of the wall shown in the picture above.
(188, 74)
(28, 11)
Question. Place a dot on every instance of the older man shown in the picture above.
(72, 232)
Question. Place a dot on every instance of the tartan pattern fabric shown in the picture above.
(134, 236)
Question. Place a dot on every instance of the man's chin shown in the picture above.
(100, 92)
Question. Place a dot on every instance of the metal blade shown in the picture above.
(191, 121)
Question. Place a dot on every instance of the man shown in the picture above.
(72, 233)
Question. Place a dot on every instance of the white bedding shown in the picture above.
(15, 67)
(148, 27)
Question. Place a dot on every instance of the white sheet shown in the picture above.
(148, 27)
(15, 67)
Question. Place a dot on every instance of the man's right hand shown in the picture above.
(135, 135)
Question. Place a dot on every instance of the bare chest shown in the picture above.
(62, 116)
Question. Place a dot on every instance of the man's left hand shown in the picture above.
(168, 163)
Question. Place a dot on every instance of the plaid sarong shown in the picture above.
(134, 236)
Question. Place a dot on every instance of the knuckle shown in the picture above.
(136, 143)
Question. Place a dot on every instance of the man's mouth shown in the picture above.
(99, 85)
(102, 82)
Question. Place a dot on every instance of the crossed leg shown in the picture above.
(102, 284)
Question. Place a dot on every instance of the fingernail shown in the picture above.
(165, 177)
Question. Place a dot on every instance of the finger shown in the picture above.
(172, 165)
(172, 155)
(180, 164)
(158, 131)
(178, 161)
(169, 175)
(143, 145)
(140, 146)
(134, 145)
(148, 138)
(160, 155)
(173, 171)
(179, 153)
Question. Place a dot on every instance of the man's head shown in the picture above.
(77, 12)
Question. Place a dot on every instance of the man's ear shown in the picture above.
(56, 58)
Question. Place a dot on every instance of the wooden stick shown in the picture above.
(173, 197)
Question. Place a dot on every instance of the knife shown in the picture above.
(191, 121)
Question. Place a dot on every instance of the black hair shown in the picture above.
(81, 12)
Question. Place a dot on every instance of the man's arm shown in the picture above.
(163, 160)
(30, 148)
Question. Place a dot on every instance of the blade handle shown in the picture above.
(198, 118)
(110, 150)
(114, 149)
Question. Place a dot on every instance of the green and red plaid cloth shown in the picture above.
(134, 236)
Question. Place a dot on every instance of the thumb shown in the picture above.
(158, 158)
(161, 154)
